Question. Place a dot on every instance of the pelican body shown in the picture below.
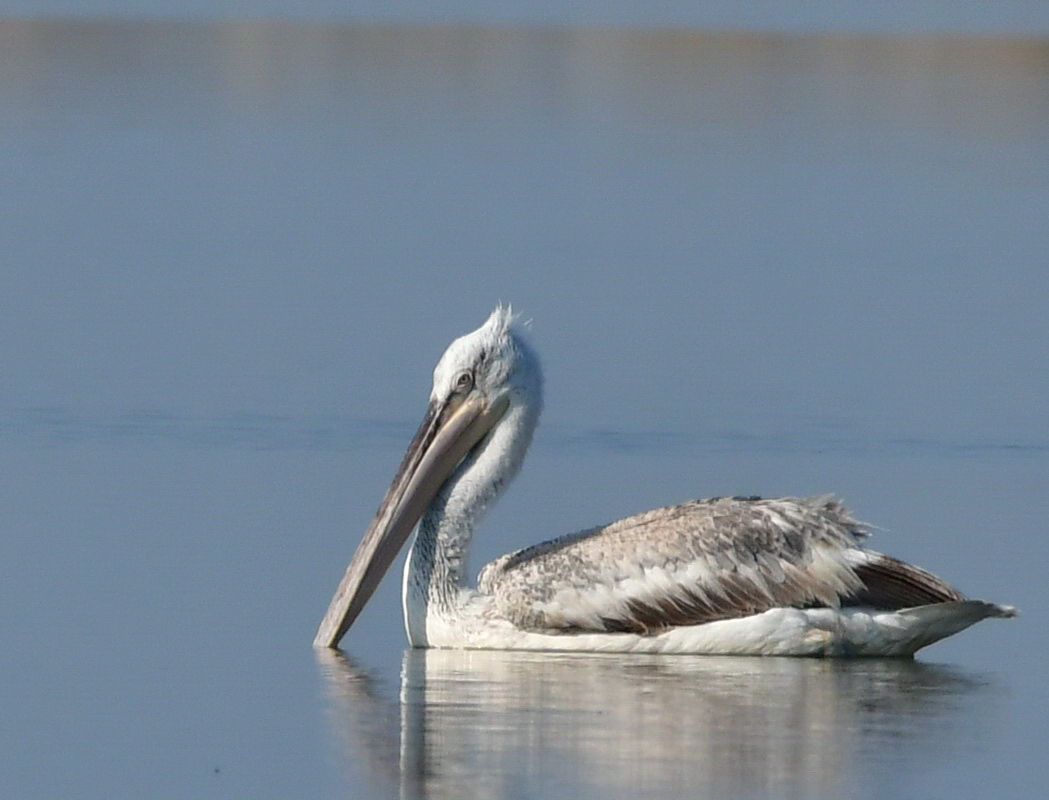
(739, 575)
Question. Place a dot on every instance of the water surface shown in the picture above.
(483, 724)
(756, 263)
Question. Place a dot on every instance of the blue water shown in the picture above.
(756, 263)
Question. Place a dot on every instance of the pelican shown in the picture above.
(729, 575)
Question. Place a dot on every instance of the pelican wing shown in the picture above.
(702, 561)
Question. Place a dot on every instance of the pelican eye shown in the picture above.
(464, 383)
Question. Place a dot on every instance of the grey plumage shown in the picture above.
(702, 561)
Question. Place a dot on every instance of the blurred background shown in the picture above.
(765, 248)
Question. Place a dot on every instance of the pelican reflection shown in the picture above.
(497, 725)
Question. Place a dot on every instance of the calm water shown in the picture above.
(756, 262)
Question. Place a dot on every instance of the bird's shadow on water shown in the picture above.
(500, 724)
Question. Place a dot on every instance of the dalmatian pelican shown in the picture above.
(728, 575)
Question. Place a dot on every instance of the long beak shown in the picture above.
(448, 432)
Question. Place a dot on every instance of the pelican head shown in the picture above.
(483, 409)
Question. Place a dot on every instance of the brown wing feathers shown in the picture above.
(703, 561)
(892, 584)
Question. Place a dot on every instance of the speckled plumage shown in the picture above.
(693, 563)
